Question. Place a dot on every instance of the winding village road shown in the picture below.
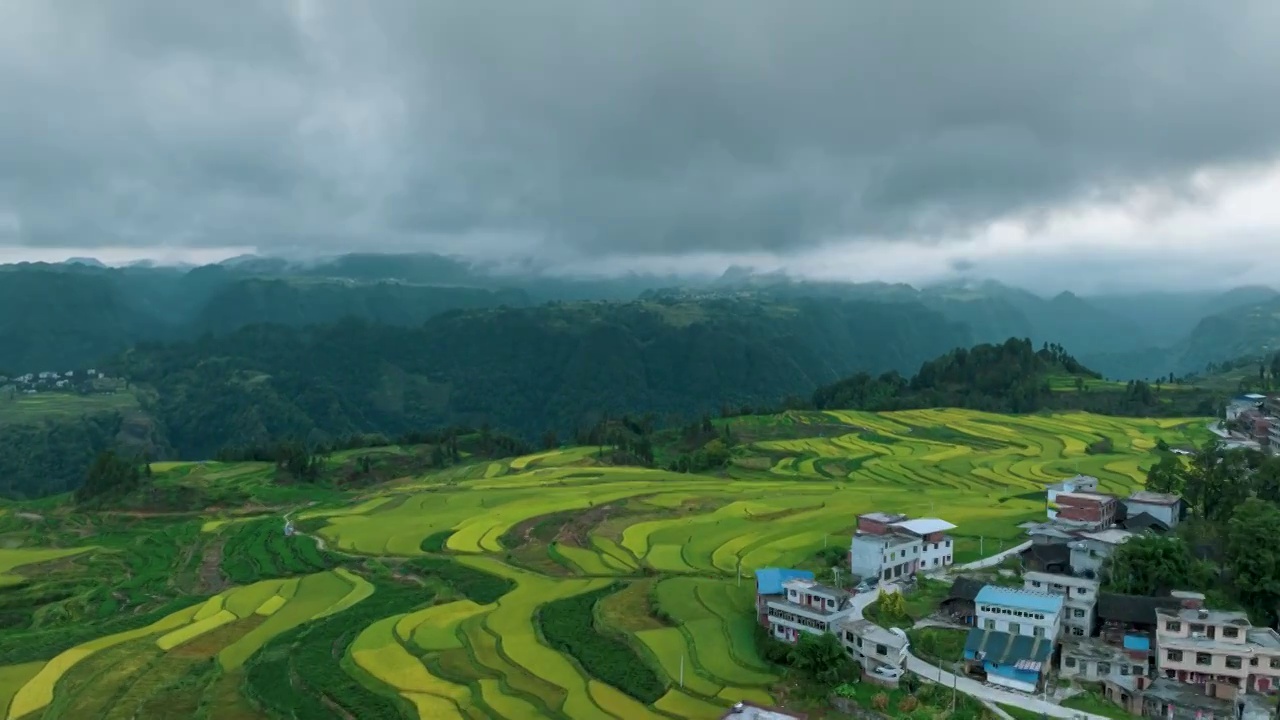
(968, 686)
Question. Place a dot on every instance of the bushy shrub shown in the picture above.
(908, 703)
(880, 702)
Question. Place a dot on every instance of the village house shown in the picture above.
(808, 607)
(1143, 523)
(1130, 616)
(1079, 483)
(936, 549)
(1092, 660)
(1047, 557)
(1091, 549)
(1098, 509)
(889, 546)
(1165, 508)
(959, 603)
(1019, 612)
(1011, 660)
(1080, 598)
(873, 646)
(1170, 700)
(769, 587)
(1218, 650)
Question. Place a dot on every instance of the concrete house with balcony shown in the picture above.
(1080, 600)
(1218, 650)
(769, 587)
(807, 607)
(1091, 549)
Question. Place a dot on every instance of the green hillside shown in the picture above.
(470, 591)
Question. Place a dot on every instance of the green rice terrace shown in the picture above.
(551, 585)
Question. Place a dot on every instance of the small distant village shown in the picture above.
(1045, 626)
(82, 381)
(1252, 421)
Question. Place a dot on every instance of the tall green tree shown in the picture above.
(1252, 557)
(822, 658)
(1153, 565)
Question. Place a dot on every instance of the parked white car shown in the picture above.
(890, 673)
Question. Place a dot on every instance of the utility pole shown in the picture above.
(981, 551)
(835, 572)
(682, 671)
(739, 572)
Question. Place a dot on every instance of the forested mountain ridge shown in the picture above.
(75, 314)
(557, 366)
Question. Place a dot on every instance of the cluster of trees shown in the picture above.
(112, 476)
(1009, 377)
(1226, 546)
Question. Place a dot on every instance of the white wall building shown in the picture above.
(808, 608)
(1163, 507)
(1019, 612)
(1080, 600)
(936, 547)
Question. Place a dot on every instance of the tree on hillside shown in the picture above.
(109, 474)
(1154, 565)
(1166, 476)
(1253, 558)
(821, 658)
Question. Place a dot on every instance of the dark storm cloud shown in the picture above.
(609, 127)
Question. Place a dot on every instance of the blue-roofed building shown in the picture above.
(1014, 661)
(769, 586)
(1019, 612)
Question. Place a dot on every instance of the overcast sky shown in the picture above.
(1086, 144)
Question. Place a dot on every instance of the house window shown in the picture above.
(831, 603)
(1082, 591)
(1230, 632)
(1104, 668)
(1124, 669)
(1275, 663)
(1070, 662)
(1078, 632)
(882, 650)
(1174, 655)
(1196, 628)
(990, 624)
(1038, 632)
(1036, 583)
(1173, 626)
(1139, 670)
(1204, 659)
(859, 643)
(848, 636)
(1078, 612)
(1234, 662)
(948, 545)
(1014, 628)
(947, 559)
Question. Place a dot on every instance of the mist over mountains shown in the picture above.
(81, 312)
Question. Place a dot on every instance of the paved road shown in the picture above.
(993, 560)
(968, 686)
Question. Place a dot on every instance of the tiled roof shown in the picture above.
(1002, 648)
(769, 580)
(1133, 608)
(1007, 597)
(965, 589)
(1144, 521)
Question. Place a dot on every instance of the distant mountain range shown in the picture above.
(77, 313)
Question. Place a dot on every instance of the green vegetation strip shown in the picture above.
(297, 670)
(569, 627)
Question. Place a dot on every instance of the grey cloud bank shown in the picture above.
(595, 130)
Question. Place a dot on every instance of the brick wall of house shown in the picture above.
(1086, 509)
(872, 527)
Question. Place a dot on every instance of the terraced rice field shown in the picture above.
(525, 537)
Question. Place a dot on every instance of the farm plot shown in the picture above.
(548, 586)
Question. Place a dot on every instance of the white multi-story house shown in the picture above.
(808, 607)
(1019, 612)
(1080, 600)
(873, 646)
(890, 546)
(936, 547)
(1217, 649)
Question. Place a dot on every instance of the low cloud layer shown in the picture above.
(592, 131)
